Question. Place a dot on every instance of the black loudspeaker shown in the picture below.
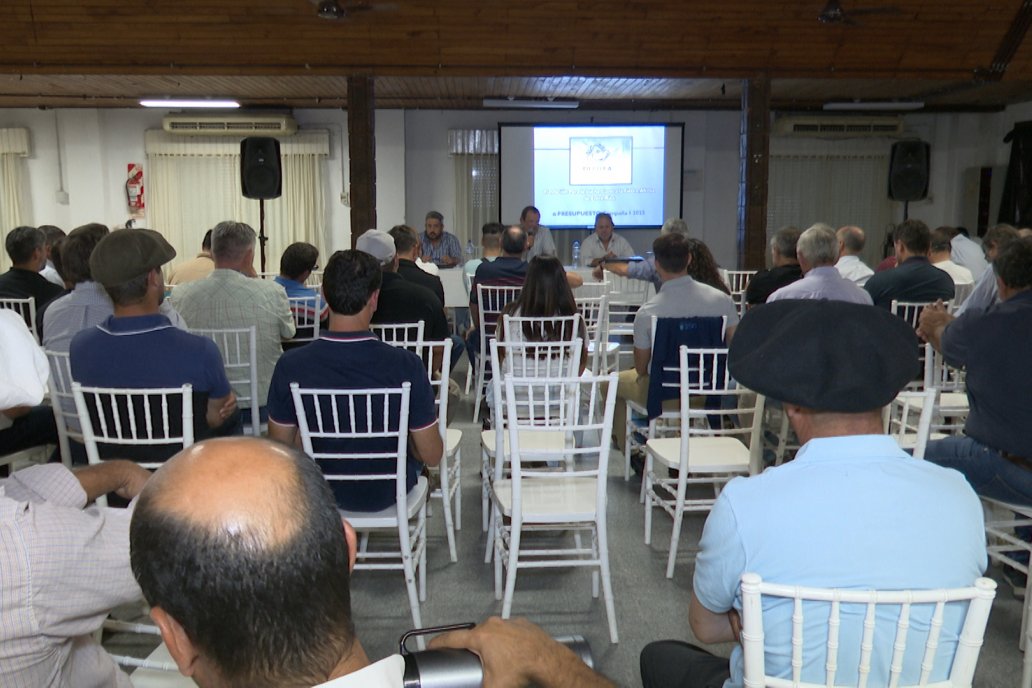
(260, 168)
(908, 170)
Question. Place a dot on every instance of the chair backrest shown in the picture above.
(713, 406)
(592, 290)
(436, 356)
(941, 375)
(491, 300)
(626, 291)
(582, 407)
(668, 336)
(26, 308)
(886, 620)
(960, 294)
(398, 333)
(66, 417)
(351, 416)
(239, 349)
(737, 282)
(314, 279)
(595, 312)
(305, 310)
(911, 310)
(908, 419)
(568, 327)
(154, 422)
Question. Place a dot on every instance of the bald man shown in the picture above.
(253, 588)
(851, 241)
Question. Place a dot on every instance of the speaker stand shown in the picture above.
(906, 216)
(262, 238)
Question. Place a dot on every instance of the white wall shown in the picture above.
(414, 172)
(96, 145)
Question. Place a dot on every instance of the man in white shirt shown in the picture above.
(969, 253)
(273, 546)
(851, 243)
(604, 243)
(940, 254)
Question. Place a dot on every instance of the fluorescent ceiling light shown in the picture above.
(875, 105)
(171, 103)
(531, 104)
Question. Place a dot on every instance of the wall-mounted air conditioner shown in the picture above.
(823, 126)
(230, 124)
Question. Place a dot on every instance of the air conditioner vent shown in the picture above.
(833, 127)
(230, 124)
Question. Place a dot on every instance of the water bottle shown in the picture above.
(576, 254)
(470, 251)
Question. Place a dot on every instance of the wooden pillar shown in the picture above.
(362, 146)
(754, 158)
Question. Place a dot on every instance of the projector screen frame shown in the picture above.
(678, 176)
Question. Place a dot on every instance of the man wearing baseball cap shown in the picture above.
(138, 347)
(852, 510)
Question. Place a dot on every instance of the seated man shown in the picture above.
(406, 242)
(604, 243)
(88, 304)
(644, 270)
(914, 278)
(852, 510)
(275, 527)
(232, 296)
(817, 250)
(54, 236)
(438, 246)
(851, 241)
(24, 421)
(995, 451)
(784, 268)
(27, 248)
(680, 297)
(984, 294)
(137, 347)
(197, 267)
(296, 265)
(65, 568)
(940, 256)
(349, 356)
(543, 244)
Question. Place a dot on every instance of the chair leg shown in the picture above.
(481, 373)
(675, 535)
(446, 506)
(485, 471)
(646, 485)
(594, 572)
(456, 486)
(489, 548)
(510, 575)
(497, 526)
(607, 583)
(469, 380)
(410, 579)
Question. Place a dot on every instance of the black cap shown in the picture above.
(824, 355)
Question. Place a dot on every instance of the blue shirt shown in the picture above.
(148, 351)
(824, 282)
(990, 345)
(984, 294)
(915, 280)
(297, 289)
(355, 360)
(447, 246)
(503, 271)
(849, 512)
(645, 270)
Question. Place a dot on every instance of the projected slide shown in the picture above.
(582, 171)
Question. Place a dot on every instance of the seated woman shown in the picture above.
(703, 268)
(546, 294)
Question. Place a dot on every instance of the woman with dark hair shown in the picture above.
(545, 294)
(703, 268)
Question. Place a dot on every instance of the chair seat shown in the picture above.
(610, 347)
(948, 401)
(547, 500)
(530, 441)
(452, 438)
(705, 454)
(388, 517)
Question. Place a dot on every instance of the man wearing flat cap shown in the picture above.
(852, 510)
(138, 347)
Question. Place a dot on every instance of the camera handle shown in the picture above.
(432, 630)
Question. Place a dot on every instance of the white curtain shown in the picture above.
(14, 148)
(839, 182)
(475, 155)
(194, 183)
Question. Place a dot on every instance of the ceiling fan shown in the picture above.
(834, 14)
(335, 9)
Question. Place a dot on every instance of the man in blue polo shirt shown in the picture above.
(296, 265)
(349, 356)
(139, 347)
(507, 270)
